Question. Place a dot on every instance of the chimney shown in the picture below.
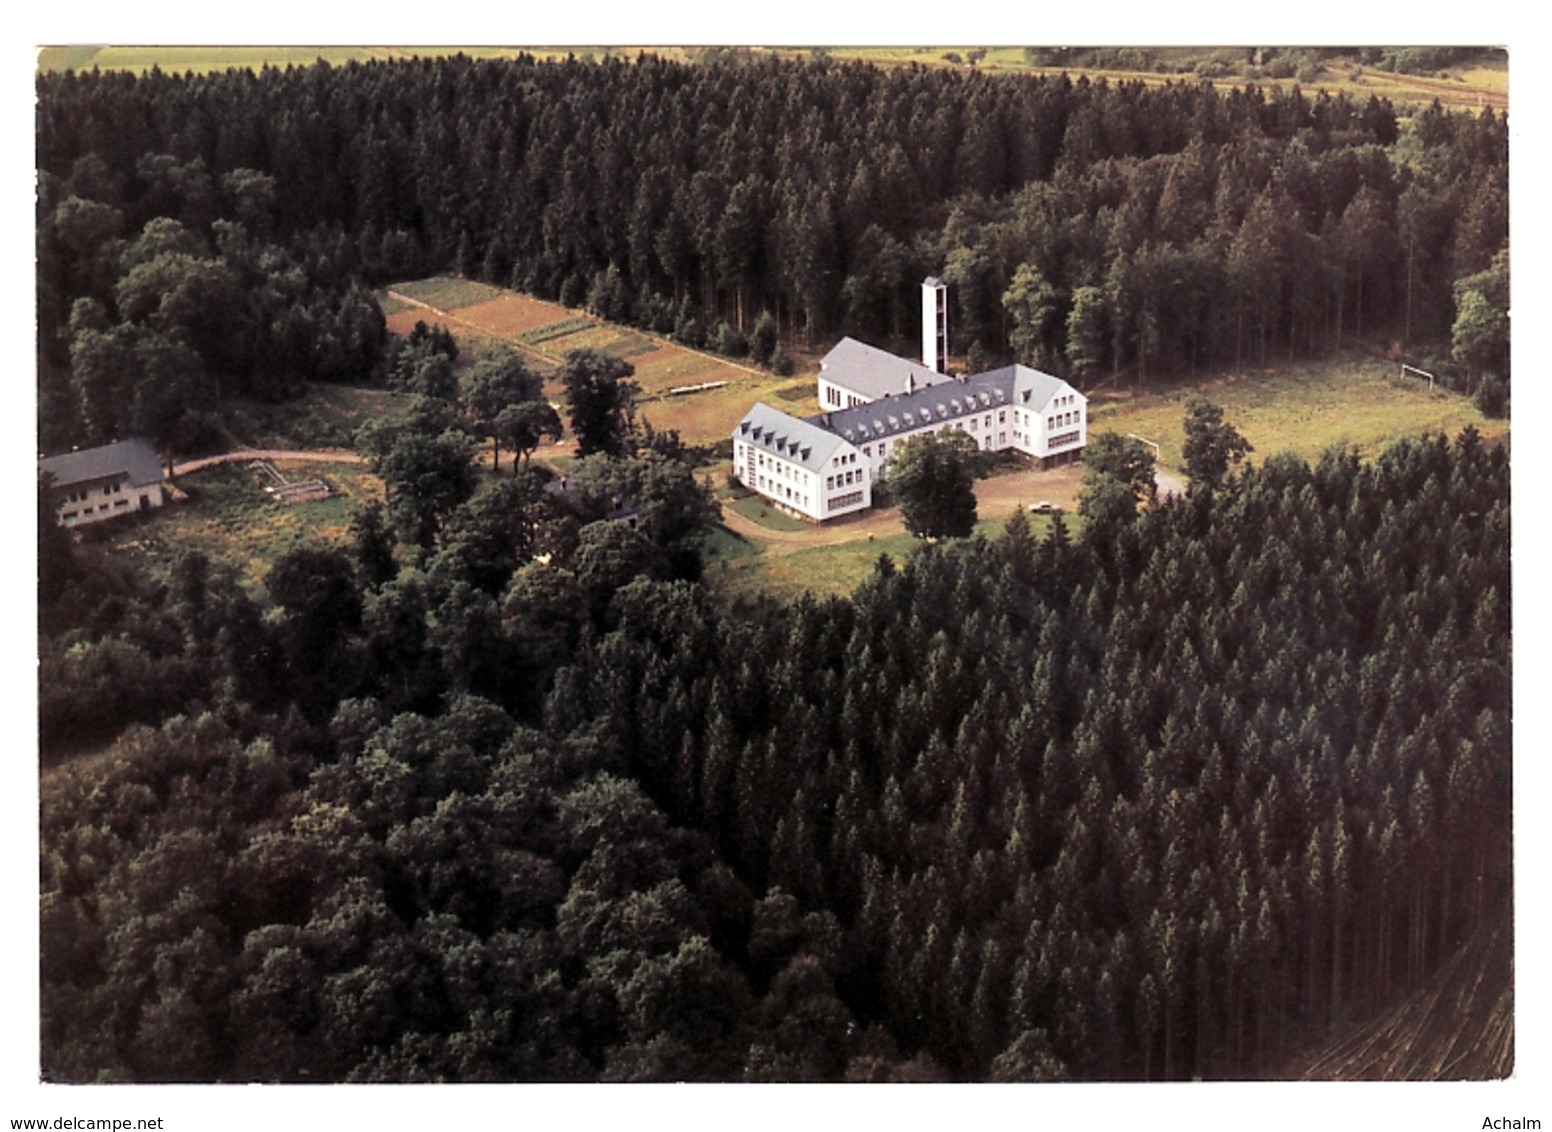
(935, 324)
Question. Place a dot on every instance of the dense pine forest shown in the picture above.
(1139, 805)
(1087, 227)
(499, 790)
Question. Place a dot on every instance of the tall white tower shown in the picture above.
(935, 324)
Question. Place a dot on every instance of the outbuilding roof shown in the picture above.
(872, 373)
(135, 459)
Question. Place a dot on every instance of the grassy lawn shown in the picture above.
(831, 571)
(230, 519)
(701, 418)
(1304, 409)
(723, 545)
(797, 392)
(757, 510)
(824, 571)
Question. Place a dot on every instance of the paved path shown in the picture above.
(282, 455)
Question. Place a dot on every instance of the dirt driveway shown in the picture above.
(996, 498)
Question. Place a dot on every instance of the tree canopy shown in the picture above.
(506, 793)
(575, 819)
(1212, 445)
(1105, 227)
(933, 478)
(602, 401)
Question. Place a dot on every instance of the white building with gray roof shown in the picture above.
(1014, 407)
(824, 466)
(800, 466)
(105, 482)
(855, 373)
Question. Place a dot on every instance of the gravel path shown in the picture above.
(313, 455)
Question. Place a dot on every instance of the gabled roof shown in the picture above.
(1017, 386)
(135, 459)
(1029, 388)
(872, 373)
(796, 441)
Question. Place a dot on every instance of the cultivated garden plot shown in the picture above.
(226, 515)
(699, 394)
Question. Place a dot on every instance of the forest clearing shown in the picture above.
(1354, 401)
(534, 753)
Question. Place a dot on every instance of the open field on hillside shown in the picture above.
(545, 332)
(512, 314)
(204, 60)
(1304, 408)
(1474, 87)
(229, 518)
(1470, 87)
(824, 571)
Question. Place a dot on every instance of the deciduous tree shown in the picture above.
(1212, 445)
(603, 401)
(933, 476)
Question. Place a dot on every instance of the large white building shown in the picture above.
(824, 466)
(800, 466)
